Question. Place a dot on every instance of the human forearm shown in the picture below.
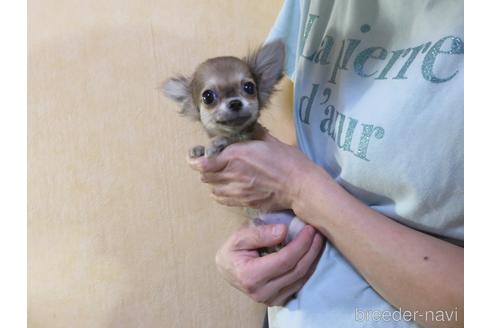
(408, 268)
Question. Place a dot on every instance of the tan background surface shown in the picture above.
(120, 231)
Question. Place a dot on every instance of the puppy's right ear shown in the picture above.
(267, 64)
(179, 89)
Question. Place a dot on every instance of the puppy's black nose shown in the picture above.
(235, 105)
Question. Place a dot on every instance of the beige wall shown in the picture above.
(120, 231)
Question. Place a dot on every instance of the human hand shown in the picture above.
(265, 174)
(274, 278)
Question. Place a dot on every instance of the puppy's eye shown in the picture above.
(208, 97)
(249, 88)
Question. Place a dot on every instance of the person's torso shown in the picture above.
(379, 104)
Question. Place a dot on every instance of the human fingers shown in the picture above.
(300, 269)
(287, 292)
(220, 177)
(276, 264)
(208, 164)
(249, 238)
(263, 201)
(235, 257)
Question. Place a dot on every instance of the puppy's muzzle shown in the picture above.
(235, 105)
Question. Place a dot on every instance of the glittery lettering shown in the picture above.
(348, 135)
(326, 94)
(391, 62)
(327, 123)
(323, 53)
(309, 104)
(457, 48)
(334, 126)
(309, 24)
(364, 56)
(415, 51)
(341, 119)
(342, 64)
(367, 132)
(353, 43)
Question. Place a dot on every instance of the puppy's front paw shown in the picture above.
(212, 151)
(197, 151)
(218, 145)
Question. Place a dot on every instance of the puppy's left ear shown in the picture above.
(267, 64)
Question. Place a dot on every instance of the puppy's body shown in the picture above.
(227, 94)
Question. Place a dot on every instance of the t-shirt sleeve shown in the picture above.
(286, 28)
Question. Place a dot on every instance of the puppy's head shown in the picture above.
(227, 93)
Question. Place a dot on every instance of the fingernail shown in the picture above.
(277, 230)
(199, 165)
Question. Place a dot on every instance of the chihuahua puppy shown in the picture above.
(227, 95)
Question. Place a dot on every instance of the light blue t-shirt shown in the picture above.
(378, 103)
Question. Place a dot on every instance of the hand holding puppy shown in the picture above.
(274, 278)
(265, 174)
